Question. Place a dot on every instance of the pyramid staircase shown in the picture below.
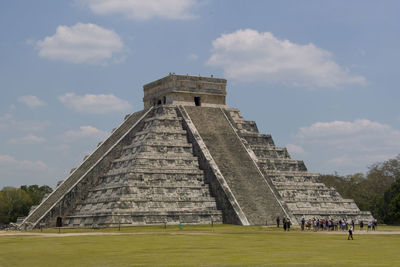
(254, 195)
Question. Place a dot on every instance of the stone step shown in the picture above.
(179, 192)
(164, 118)
(282, 164)
(258, 139)
(301, 186)
(154, 163)
(154, 149)
(156, 131)
(149, 169)
(270, 152)
(143, 218)
(159, 143)
(126, 202)
(288, 174)
(162, 182)
(158, 137)
(156, 156)
(146, 186)
(296, 194)
(157, 213)
(312, 199)
(279, 180)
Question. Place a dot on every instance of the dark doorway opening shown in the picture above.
(164, 100)
(197, 101)
(159, 102)
(59, 222)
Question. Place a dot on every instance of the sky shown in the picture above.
(321, 77)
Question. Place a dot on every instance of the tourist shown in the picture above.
(303, 221)
(284, 223)
(288, 224)
(350, 233)
(361, 225)
(277, 221)
(369, 226)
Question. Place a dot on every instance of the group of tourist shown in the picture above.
(285, 222)
(323, 224)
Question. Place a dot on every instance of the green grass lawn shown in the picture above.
(223, 245)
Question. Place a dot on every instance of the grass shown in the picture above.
(223, 245)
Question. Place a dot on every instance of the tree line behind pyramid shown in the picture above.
(187, 158)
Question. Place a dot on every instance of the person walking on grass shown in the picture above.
(277, 221)
(350, 233)
(284, 223)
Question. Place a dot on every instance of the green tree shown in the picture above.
(389, 204)
(368, 190)
(36, 192)
(14, 203)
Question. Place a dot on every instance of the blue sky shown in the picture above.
(321, 77)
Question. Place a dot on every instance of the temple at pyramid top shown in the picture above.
(186, 90)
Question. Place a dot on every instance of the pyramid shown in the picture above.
(187, 158)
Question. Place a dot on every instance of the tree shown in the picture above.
(389, 204)
(36, 193)
(370, 191)
(14, 203)
(17, 202)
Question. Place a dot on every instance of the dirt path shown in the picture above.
(17, 233)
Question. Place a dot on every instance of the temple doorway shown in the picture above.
(197, 101)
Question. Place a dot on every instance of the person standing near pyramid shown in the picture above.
(350, 233)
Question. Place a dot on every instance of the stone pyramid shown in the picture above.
(188, 158)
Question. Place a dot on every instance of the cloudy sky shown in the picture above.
(321, 76)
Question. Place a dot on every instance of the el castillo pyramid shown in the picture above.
(188, 158)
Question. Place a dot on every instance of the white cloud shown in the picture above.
(248, 55)
(143, 10)
(9, 162)
(15, 172)
(347, 145)
(86, 132)
(27, 140)
(31, 101)
(95, 104)
(9, 123)
(81, 43)
(7, 159)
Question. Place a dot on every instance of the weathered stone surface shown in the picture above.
(304, 194)
(187, 158)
